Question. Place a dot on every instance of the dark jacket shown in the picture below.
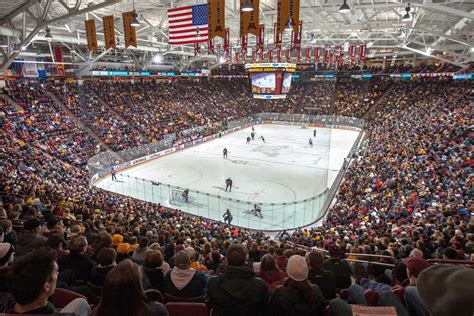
(8, 302)
(237, 291)
(81, 264)
(342, 272)
(287, 301)
(153, 278)
(193, 287)
(98, 274)
(27, 242)
(325, 280)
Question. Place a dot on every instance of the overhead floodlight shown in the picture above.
(247, 7)
(288, 26)
(222, 59)
(407, 17)
(158, 58)
(135, 21)
(344, 7)
(48, 33)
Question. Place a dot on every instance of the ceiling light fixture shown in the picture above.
(134, 22)
(344, 7)
(288, 26)
(407, 17)
(247, 7)
(48, 33)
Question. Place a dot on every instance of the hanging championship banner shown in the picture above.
(197, 48)
(296, 37)
(129, 31)
(341, 59)
(249, 21)
(216, 18)
(331, 58)
(237, 54)
(244, 56)
(308, 54)
(352, 53)
(58, 58)
(243, 43)
(254, 56)
(91, 36)
(228, 57)
(337, 51)
(316, 54)
(262, 54)
(326, 56)
(109, 31)
(277, 37)
(227, 41)
(210, 47)
(288, 55)
(362, 51)
(295, 15)
(278, 55)
(270, 56)
(261, 37)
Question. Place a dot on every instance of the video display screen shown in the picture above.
(286, 82)
(263, 83)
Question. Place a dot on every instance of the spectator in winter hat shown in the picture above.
(447, 290)
(29, 239)
(296, 296)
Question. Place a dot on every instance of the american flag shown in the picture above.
(188, 25)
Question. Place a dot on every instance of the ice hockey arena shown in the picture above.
(236, 158)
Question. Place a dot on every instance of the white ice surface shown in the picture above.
(285, 169)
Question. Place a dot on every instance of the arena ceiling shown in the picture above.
(439, 29)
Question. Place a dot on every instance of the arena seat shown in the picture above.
(171, 299)
(183, 309)
(62, 297)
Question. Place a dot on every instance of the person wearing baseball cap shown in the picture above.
(30, 238)
(297, 296)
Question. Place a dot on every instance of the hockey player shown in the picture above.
(253, 130)
(253, 135)
(224, 152)
(186, 195)
(227, 217)
(310, 142)
(314, 133)
(257, 211)
(263, 139)
(248, 140)
(114, 174)
(228, 184)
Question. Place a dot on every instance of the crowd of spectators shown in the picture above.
(407, 196)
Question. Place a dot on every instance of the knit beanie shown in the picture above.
(297, 268)
(117, 239)
(447, 290)
(415, 265)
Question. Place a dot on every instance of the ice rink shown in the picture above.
(284, 169)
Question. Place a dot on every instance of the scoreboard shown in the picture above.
(270, 80)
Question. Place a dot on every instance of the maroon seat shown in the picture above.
(170, 298)
(62, 297)
(185, 309)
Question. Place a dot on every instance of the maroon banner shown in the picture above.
(331, 58)
(227, 41)
(261, 37)
(308, 54)
(278, 55)
(326, 56)
(243, 43)
(210, 46)
(270, 55)
(352, 53)
(228, 57)
(337, 51)
(296, 37)
(362, 51)
(277, 37)
(237, 56)
(278, 80)
(341, 59)
(197, 48)
(244, 56)
(288, 55)
(254, 56)
(58, 58)
(317, 53)
(261, 55)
